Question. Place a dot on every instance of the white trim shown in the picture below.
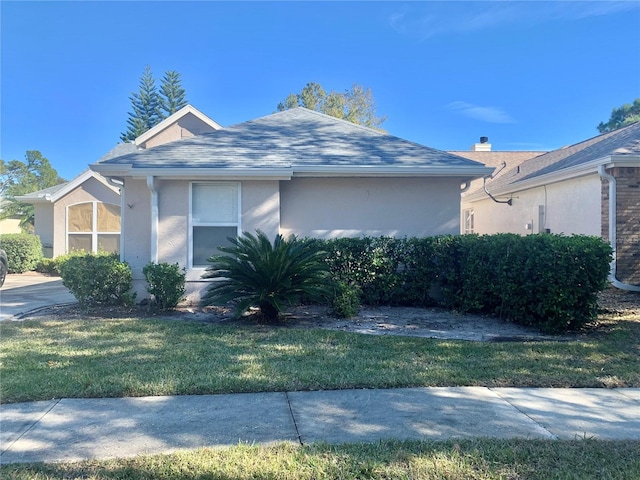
(191, 223)
(286, 173)
(94, 233)
(171, 119)
(71, 185)
(154, 219)
(569, 173)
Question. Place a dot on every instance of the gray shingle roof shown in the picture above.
(292, 138)
(623, 142)
(119, 150)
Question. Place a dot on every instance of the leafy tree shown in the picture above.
(621, 117)
(255, 272)
(355, 105)
(19, 178)
(172, 95)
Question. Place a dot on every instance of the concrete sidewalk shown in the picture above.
(75, 429)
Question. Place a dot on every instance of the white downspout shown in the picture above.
(120, 186)
(612, 231)
(154, 218)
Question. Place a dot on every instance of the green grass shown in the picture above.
(138, 357)
(452, 460)
(134, 357)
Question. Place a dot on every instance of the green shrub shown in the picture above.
(51, 266)
(166, 284)
(96, 279)
(23, 250)
(48, 266)
(387, 271)
(255, 272)
(547, 281)
(346, 300)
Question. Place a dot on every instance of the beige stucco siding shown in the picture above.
(185, 127)
(135, 245)
(44, 227)
(173, 212)
(351, 207)
(260, 207)
(570, 207)
(91, 190)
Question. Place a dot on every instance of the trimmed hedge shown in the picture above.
(548, 281)
(23, 250)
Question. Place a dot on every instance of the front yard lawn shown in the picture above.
(138, 357)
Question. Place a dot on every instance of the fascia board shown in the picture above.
(391, 171)
(225, 173)
(44, 198)
(54, 197)
(554, 177)
(624, 161)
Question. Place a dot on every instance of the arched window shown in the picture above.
(93, 227)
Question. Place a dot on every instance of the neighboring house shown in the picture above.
(293, 172)
(590, 188)
(84, 214)
(11, 224)
(501, 161)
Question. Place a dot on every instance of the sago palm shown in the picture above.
(253, 271)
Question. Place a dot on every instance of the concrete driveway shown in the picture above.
(30, 291)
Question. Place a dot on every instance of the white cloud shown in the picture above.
(428, 19)
(477, 112)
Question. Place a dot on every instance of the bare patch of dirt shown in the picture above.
(407, 321)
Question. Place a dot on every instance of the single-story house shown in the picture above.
(501, 160)
(590, 188)
(293, 172)
(84, 214)
(10, 224)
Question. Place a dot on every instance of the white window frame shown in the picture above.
(468, 227)
(94, 225)
(192, 223)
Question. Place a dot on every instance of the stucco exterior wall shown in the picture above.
(91, 190)
(259, 207)
(351, 207)
(570, 207)
(135, 244)
(187, 126)
(43, 227)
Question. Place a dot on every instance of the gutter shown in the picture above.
(612, 231)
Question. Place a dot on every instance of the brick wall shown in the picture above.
(627, 222)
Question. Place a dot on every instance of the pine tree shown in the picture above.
(172, 95)
(146, 108)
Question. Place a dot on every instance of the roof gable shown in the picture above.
(55, 193)
(188, 115)
(296, 139)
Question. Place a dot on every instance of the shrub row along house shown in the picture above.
(590, 188)
(188, 184)
(294, 172)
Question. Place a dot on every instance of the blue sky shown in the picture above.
(529, 75)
